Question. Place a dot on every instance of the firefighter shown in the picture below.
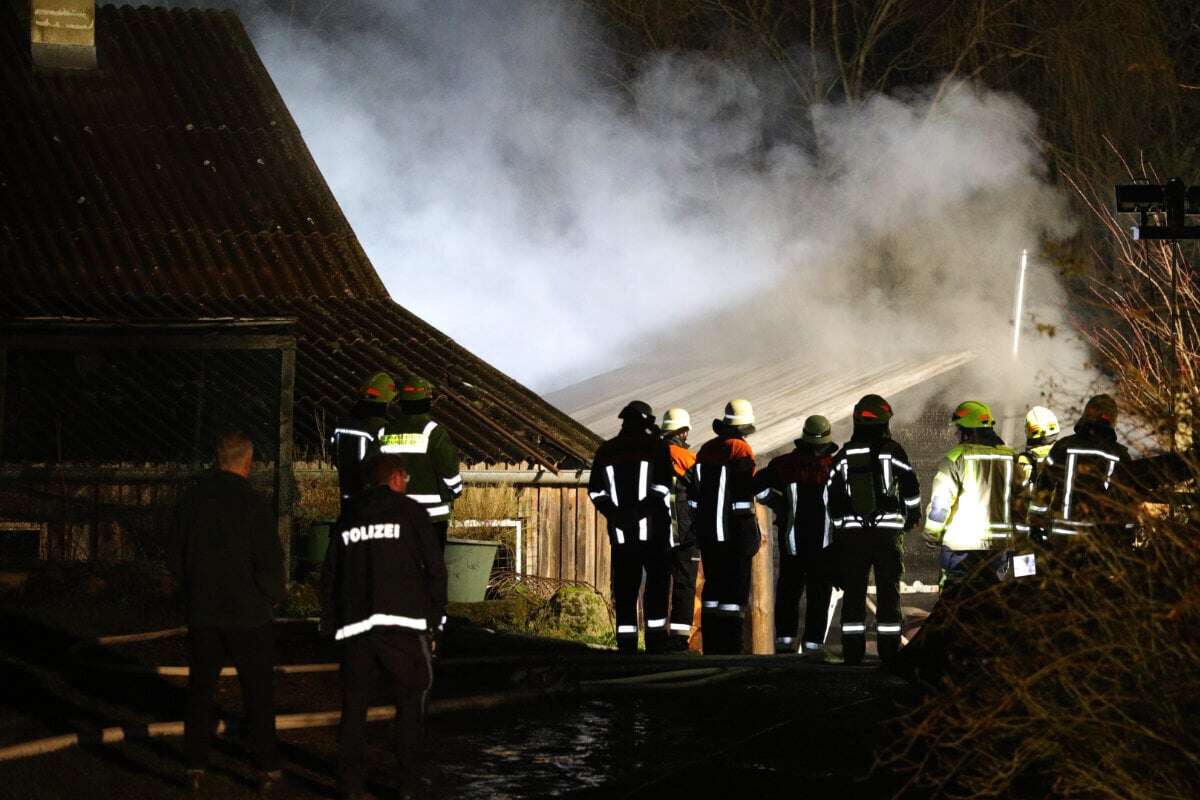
(970, 516)
(721, 494)
(793, 486)
(685, 555)
(429, 454)
(383, 594)
(1041, 432)
(356, 435)
(631, 486)
(1082, 482)
(874, 498)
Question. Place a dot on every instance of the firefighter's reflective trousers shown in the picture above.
(803, 575)
(685, 563)
(629, 560)
(726, 595)
(861, 551)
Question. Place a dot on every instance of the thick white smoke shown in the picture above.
(558, 226)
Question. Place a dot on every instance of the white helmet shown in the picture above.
(739, 412)
(1040, 424)
(676, 419)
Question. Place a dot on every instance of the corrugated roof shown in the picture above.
(172, 182)
(783, 391)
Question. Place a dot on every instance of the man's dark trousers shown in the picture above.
(251, 652)
(404, 658)
(802, 575)
(881, 549)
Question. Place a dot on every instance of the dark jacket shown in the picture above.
(431, 459)
(1085, 482)
(721, 493)
(682, 460)
(793, 486)
(225, 551)
(356, 439)
(384, 567)
(631, 484)
(874, 464)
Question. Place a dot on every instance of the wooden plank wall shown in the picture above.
(565, 538)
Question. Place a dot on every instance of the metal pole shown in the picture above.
(1019, 310)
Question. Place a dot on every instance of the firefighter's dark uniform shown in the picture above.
(1083, 487)
(793, 486)
(685, 555)
(383, 593)
(722, 498)
(432, 462)
(872, 471)
(356, 439)
(630, 484)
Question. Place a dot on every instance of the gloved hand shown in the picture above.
(932, 540)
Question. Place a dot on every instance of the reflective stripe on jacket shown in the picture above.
(430, 458)
(900, 491)
(970, 507)
(1083, 484)
(721, 493)
(682, 460)
(631, 484)
(793, 486)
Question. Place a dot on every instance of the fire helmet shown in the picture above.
(738, 413)
(637, 410)
(379, 388)
(415, 388)
(676, 419)
(1041, 425)
(817, 430)
(972, 414)
(1101, 408)
(872, 410)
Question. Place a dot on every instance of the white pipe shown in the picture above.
(1019, 310)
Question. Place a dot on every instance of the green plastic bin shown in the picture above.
(469, 566)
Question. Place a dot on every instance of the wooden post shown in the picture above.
(283, 455)
(762, 587)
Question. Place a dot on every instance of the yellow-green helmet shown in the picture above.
(973, 414)
(1041, 424)
(415, 388)
(379, 388)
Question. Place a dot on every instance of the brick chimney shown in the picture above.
(63, 34)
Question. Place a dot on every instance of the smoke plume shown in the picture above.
(559, 223)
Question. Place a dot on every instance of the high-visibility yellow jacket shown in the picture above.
(1028, 463)
(971, 504)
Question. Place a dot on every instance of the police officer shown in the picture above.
(1084, 483)
(874, 498)
(631, 486)
(793, 486)
(356, 435)
(970, 517)
(685, 555)
(721, 493)
(383, 591)
(429, 453)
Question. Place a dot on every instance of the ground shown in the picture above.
(775, 725)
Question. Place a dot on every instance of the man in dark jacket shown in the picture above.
(630, 486)
(356, 436)
(874, 499)
(793, 486)
(383, 592)
(721, 494)
(226, 554)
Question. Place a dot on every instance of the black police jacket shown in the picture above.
(384, 568)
